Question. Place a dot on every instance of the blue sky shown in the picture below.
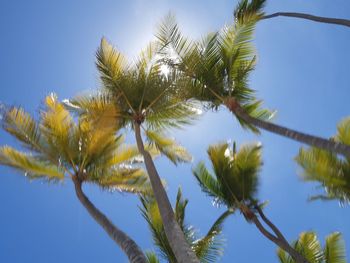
(302, 72)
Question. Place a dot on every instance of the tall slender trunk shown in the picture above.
(311, 140)
(328, 20)
(174, 234)
(276, 237)
(129, 247)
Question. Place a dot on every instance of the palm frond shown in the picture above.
(284, 257)
(210, 247)
(343, 129)
(334, 250)
(255, 110)
(152, 257)
(111, 65)
(57, 125)
(328, 169)
(172, 115)
(32, 167)
(174, 152)
(309, 246)
(23, 127)
(207, 182)
(124, 179)
(249, 10)
(151, 214)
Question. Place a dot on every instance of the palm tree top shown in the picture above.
(219, 65)
(143, 90)
(58, 146)
(235, 178)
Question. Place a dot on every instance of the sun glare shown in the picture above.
(164, 69)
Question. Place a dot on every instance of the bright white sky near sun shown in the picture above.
(303, 72)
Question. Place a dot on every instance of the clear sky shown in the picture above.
(303, 72)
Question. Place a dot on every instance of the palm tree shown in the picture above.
(235, 184)
(207, 249)
(309, 246)
(58, 147)
(219, 67)
(143, 95)
(328, 169)
(253, 9)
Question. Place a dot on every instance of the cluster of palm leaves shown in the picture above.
(170, 82)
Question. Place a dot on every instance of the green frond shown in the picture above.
(152, 257)
(174, 152)
(172, 115)
(309, 246)
(111, 65)
(151, 214)
(210, 247)
(207, 182)
(326, 168)
(170, 37)
(343, 129)
(334, 250)
(256, 111)
(32, 167)
(247, 11)
(284, 257)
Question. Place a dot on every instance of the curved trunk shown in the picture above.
(130, 248)
(276, 237)
(174, 234)
(311, 140)
(328, 20)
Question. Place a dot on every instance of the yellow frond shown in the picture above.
(29, 164)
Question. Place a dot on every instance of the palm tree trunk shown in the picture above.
(130, 248)
(277, 237)
(174, 234)
(311, 140)
(336, 21)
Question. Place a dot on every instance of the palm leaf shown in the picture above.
(110, 63)
(32, 167)
(210, 247)
(284, 257)
(132, 180)
(343, 129)
(152, 257)
(309, 246)
(207, 182)
(334, 250)
(21, 125)
(249, 10)
(168, 147)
